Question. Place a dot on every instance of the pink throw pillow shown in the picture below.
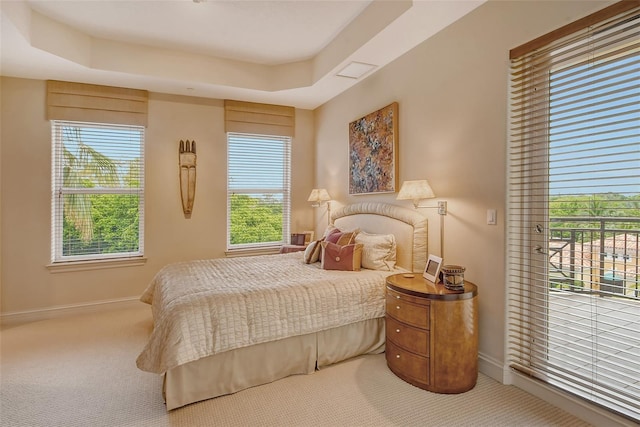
(345, 258)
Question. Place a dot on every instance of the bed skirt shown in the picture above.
(236, 370)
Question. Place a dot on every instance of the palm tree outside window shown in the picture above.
(97, 191)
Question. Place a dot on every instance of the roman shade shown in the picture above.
(259, 119)
(81, 102)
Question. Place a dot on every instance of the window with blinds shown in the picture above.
(97, 191)
(574, 209)
(258, 190)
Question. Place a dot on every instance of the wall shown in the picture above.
(1, 197)
(27, 285)
(452, 92)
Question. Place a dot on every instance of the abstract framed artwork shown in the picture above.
(373, 152)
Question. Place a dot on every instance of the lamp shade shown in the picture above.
(415, 190)
(319, 195)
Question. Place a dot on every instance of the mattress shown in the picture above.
(206, 307)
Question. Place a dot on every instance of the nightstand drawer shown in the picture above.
(407, 298)
(407, 363)
(412, 314)
(408, 338)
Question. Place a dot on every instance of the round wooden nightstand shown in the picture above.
(432, 334)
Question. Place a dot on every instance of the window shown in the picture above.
(258, 190)
(573, 210)
(97, 191)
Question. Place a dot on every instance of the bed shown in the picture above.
(272, 316)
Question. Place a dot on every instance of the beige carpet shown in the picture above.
(80, 371)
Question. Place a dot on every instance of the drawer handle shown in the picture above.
(397, 356)
(398, 307)
(398, 330)
(397, 296)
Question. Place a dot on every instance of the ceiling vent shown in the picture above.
(355, 70)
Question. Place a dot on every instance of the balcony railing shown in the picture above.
(595, 255)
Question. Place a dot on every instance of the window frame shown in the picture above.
(538, 321)
(286, 142)
(58, 191)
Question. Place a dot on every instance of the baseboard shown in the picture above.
(491, 367)
(582, 409)
(21, 317)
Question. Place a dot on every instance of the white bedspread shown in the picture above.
(206, 307)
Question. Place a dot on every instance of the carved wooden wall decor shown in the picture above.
(187, 161)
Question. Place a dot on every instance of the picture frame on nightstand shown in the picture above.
(308, 236)
(432, 268)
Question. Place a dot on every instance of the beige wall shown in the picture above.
(25, 200)
(452, 93)
(0, 197)
(453, 111)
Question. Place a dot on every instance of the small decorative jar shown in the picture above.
(453, 277)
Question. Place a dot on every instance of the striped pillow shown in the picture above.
(312, 252)
(342, 238)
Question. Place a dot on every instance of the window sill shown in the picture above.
(69, 266)
(252, 251)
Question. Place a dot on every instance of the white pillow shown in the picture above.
(379, 251)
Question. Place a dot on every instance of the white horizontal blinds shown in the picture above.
(574, 211)
(96, 104)
(97, 191)
(259, 119)
(258, 190)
